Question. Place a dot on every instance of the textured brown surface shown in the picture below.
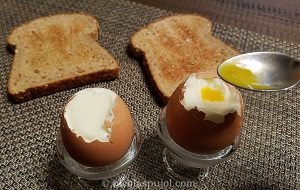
(269, 153)
(277, 18)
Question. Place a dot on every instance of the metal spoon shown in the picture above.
(276, 71)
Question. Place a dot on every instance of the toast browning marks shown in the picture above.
(176, 46)
(55, 53)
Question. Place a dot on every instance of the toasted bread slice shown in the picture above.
(173, 47)
(56, 53)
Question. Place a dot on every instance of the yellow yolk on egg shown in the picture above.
(211, 95)
(241, 76)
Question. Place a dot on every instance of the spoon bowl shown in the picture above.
(262, 71)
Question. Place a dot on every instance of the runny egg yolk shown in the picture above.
(241, 76)
(211, 95)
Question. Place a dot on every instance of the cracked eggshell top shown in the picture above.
(96, 127)
(204, 114)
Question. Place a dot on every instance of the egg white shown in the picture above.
(215, 111)
(88, 110)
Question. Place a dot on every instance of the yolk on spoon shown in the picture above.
(241, 77)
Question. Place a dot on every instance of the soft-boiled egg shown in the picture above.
(204, 114)
(96, 127)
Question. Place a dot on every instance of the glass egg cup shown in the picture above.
(183, 164)
(110, 172)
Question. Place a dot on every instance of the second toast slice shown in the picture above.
(173, 47)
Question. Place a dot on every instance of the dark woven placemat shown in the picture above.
(277, 18)
(269, 153)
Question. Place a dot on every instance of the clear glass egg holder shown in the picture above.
(183, 164)
(101, 173)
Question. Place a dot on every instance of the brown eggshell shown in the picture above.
(96, 153)
(189, 129)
